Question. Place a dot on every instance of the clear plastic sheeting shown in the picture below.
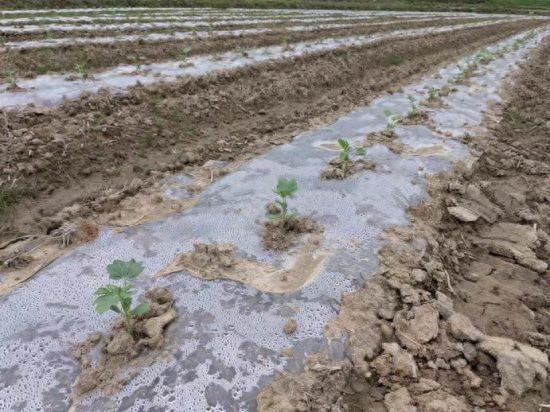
(66, 28)
(159, 16)
(193, 35)
(226, 344)
(49, 90)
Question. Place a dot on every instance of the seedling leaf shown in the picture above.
(106, 299)
(286, 188)
(140, 309)
(344, 144)
(124, 270)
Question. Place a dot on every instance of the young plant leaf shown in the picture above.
(344, 144)
(107, 297)
(124, 270)
(286, 188)
(140, 309)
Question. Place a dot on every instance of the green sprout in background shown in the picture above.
(186, 51)
(119, 298)
(414, 108)
(82, 70)
(433, 94)
(8, 78)
(392, 120)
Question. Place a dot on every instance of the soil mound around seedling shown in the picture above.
(122, 353)
(210, 261)
(283, 233)
(219, 261)
(387, 138)
(414, 118)
(338, 170)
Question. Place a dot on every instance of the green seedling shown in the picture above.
(433, 94)
(185, 52)
(137, 62)
(485, 57)
(345, 153)
(392, 120)
(464, 72)
(9, 78)
(414, 108)
(361, 151)
(119, 298)
(82, 70)
(285, 189)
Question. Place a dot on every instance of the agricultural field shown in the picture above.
(209, 209)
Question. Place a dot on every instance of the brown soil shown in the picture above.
(387, 138)
(337, 170)
(21, 258)
(458, 316)
(283, 233)
(122, 353)
(219, 261)
(29, 63)
(86, 156)
(415, 117)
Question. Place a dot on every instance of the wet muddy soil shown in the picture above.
(387, 138)
(83, 158)
(458, 316)
(29, 63)
(121, 353)
(338, 169)
(284, 232)
(220, 261)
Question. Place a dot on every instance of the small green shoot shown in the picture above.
(392, 120)
(485, 57)
(345, 153)
(9, 78)
(137, 62)
(285, 189)
(361, 151)
(185, 52)
(433, 94)
(414, 108)
(119, 298)
(82, 70)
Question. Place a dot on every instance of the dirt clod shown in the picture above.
(387, 138)
(291, 326)
(283, 233)
(120, 350)
(339, 170)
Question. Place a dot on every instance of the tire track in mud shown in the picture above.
(206, 340)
